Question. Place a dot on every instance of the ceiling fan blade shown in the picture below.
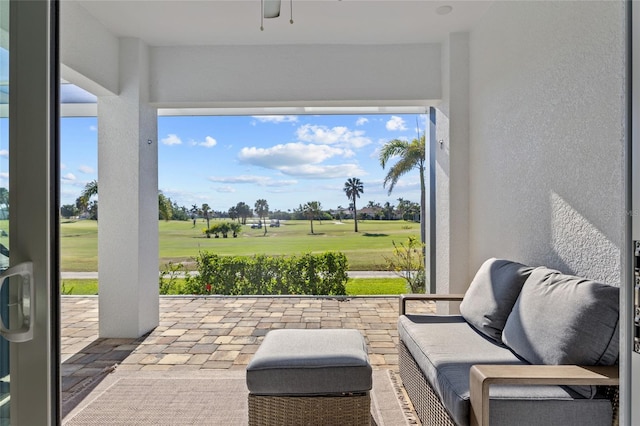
(271, 8)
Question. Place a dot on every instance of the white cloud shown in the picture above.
(396, 123)
(93, 128)
(252, 179)
(86, 169)
(190, 197)
(362, 121)
(237, 179)
(209, 142)
(312, 171)
(290, 154)
(4, 175)
(171, 139)
(276, 118)
(4, 153)
(280, 183)
(339, 135)
(69, 176)
(225, 189)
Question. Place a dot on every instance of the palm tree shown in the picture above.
(411, 155)
(235, 228)
(205, 209)
(194, 213)
(312, 209)
(90, 189)
(262, 210)
(353, 188)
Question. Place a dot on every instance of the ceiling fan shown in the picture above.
(271, 9)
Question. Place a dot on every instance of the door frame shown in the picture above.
(33, 199)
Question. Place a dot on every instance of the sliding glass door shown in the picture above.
(29, 373)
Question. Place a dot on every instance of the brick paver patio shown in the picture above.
(213, 333)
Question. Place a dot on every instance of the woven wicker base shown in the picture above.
(352, 410)
(427, 404)
(425, 401)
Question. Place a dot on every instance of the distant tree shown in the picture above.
(388, 210)
(244, 211)
(413, 212)
(312, 210)
(68, 210)
(403, 207)
(204, 210)
(93, 210)
(178, 212)
(165, 210)
(353, 188)
(4, 197)
(411, 156)
(83, 201)
(194, 213)
(233, 214)
(262, 210)
(280, 215)
(90, 189)
(81, 205)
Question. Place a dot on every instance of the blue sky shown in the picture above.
(287, 160)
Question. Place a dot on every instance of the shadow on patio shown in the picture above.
(212, 333)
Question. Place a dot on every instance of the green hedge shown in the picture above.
(312, 274)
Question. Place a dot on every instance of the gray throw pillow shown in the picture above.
(492, 294)
(563, 319)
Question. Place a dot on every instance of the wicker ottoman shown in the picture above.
(310, 377)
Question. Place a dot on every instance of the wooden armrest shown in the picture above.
(430, 297)
(482, 376)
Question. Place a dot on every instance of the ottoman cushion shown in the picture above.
(310, 362)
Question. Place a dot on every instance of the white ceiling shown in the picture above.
(232, 22)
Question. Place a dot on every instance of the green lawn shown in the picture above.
(79, 287)
(355, 286)
(180, 241)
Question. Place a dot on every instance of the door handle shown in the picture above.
(21, 303)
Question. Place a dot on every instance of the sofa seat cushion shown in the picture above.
(445, 347)
(492, 294)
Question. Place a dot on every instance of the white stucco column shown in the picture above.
(128, 201)
(452, 169)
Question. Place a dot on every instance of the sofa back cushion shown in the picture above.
(492, 294)
(563, 319)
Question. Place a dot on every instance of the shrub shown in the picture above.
(170, 277)
(223, 228)
(408, 262)
(311, 274)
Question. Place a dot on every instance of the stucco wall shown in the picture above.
(88, 52)
(295, 75)
(547, 120)
(452, 168)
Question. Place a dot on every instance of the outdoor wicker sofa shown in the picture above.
(532, 346)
